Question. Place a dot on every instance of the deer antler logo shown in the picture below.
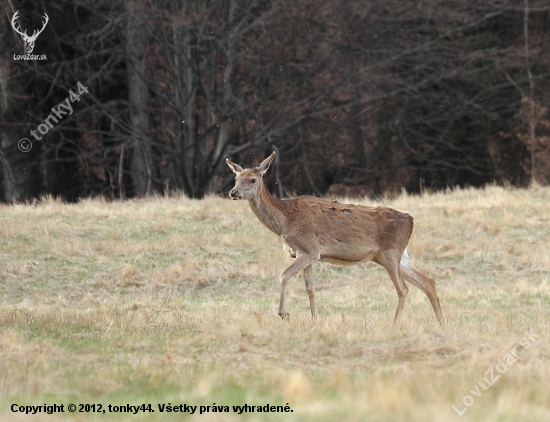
(29, 40)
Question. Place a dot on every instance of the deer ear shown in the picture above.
(235, 167)
(265, 164)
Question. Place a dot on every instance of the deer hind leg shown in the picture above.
(301, 263)
(308, 277)
(423, 282)
(392, 267)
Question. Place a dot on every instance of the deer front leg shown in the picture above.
(308, 277)
(301, 263)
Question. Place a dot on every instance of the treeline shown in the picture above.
(357, 97)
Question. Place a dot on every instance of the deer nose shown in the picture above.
(234, 193)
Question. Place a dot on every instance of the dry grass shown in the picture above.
(173, 300)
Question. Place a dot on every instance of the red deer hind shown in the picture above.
(314, 229)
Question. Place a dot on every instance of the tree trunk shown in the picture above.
(141, 164)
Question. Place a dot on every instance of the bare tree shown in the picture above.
(142, 164)
(530, 100)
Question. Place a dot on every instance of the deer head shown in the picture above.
(29, 40)
(248, 181)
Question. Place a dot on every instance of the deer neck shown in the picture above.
(268, 210)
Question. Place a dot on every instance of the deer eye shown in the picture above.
(252, 180)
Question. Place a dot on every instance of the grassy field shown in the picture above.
(175, 301)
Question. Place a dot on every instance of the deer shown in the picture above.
(29, 40)
(315, 229)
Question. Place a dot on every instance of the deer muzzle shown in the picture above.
(234, 194)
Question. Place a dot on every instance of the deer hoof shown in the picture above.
(284, 315)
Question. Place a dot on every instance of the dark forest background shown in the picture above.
(357, 97)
